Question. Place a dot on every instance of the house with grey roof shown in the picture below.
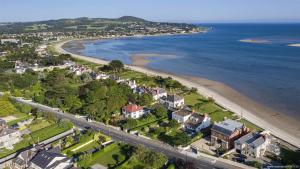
(174, 101)
(226, 132)
(253, 144)
(8, 136)
(50, 160)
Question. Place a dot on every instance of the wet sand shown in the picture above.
(142, 59)
(284, 127)
(254, 41)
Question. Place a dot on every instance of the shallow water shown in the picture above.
(269, 73)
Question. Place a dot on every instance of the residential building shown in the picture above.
(182, 115)
(253, 144)
(50, 160)
(133, 111)
(9, 41)
(226, 132)
(157, 92)
(131, 83)
(9, 137)
(197, 122)
(22, 160)
(173, 101)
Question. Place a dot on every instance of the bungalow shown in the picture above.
(197, 122)
(181, 116)
(253, 144)
(226, 132)
(157, 92)
(133, 111)
(173, 101)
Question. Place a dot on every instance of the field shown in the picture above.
(111, 155)
(7, 108)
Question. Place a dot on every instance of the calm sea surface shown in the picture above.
(266, 72)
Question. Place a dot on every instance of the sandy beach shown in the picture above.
(254, 41)
(284, 127)
(294, 45)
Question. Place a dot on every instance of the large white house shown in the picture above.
(181, 116)
(133, 111)
(253, 144)
(173, 101)
(197, 122)
(157, 93)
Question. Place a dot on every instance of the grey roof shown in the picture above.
(6, 131)
(227, 127)
(258, 142)
(44, 158)
(2, 122)
(172, 98)
(248, 138)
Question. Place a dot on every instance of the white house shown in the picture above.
(252, 144)
(132, 84)
(181, 116)
(197, 122)
(173, 101)
(157, 93)
(133, 111)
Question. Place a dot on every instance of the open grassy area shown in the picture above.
(20, 117)
(141, 79)
(109, 156)
(251, 125)
(193, 98)
(39, 124)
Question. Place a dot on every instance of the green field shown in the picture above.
(109, 156)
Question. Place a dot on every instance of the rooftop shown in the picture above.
(172, 98)
(228, 126)
(132, 108)
(182, 112)
(248, 138)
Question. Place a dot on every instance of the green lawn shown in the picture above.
(193, 98)
(93, 144)
(251, 125)
(109, 156)
(141, 79)
(39, 124)
(20, 117)
(220, 115)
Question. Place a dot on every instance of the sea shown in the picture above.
(253, 59)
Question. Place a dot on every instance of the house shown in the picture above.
(132, 84)
(133, 111)
(173, 101)
(139, 90)
(22, 160)
(253, 144)
(197, 122)
(226, 132)
(181, 116)
(47, 159)
(157, 92)
(9, 137)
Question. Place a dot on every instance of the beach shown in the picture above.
(295, 45)
(284, 127)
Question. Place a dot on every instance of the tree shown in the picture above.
(116, 65)
(160, 111)
(72, 103)
(144, 99)
(173, 124)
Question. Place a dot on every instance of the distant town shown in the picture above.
(60, 112)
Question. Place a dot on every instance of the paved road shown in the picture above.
(200, 162)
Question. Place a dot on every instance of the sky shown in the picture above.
(194, 11)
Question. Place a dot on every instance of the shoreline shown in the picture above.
(281, 126)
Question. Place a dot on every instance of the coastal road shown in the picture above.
(117, 135)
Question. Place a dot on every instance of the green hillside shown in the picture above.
(7, 108)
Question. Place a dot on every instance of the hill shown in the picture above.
(123, 25)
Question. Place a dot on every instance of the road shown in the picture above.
(117, 135)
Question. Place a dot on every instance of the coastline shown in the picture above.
(281, 126)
